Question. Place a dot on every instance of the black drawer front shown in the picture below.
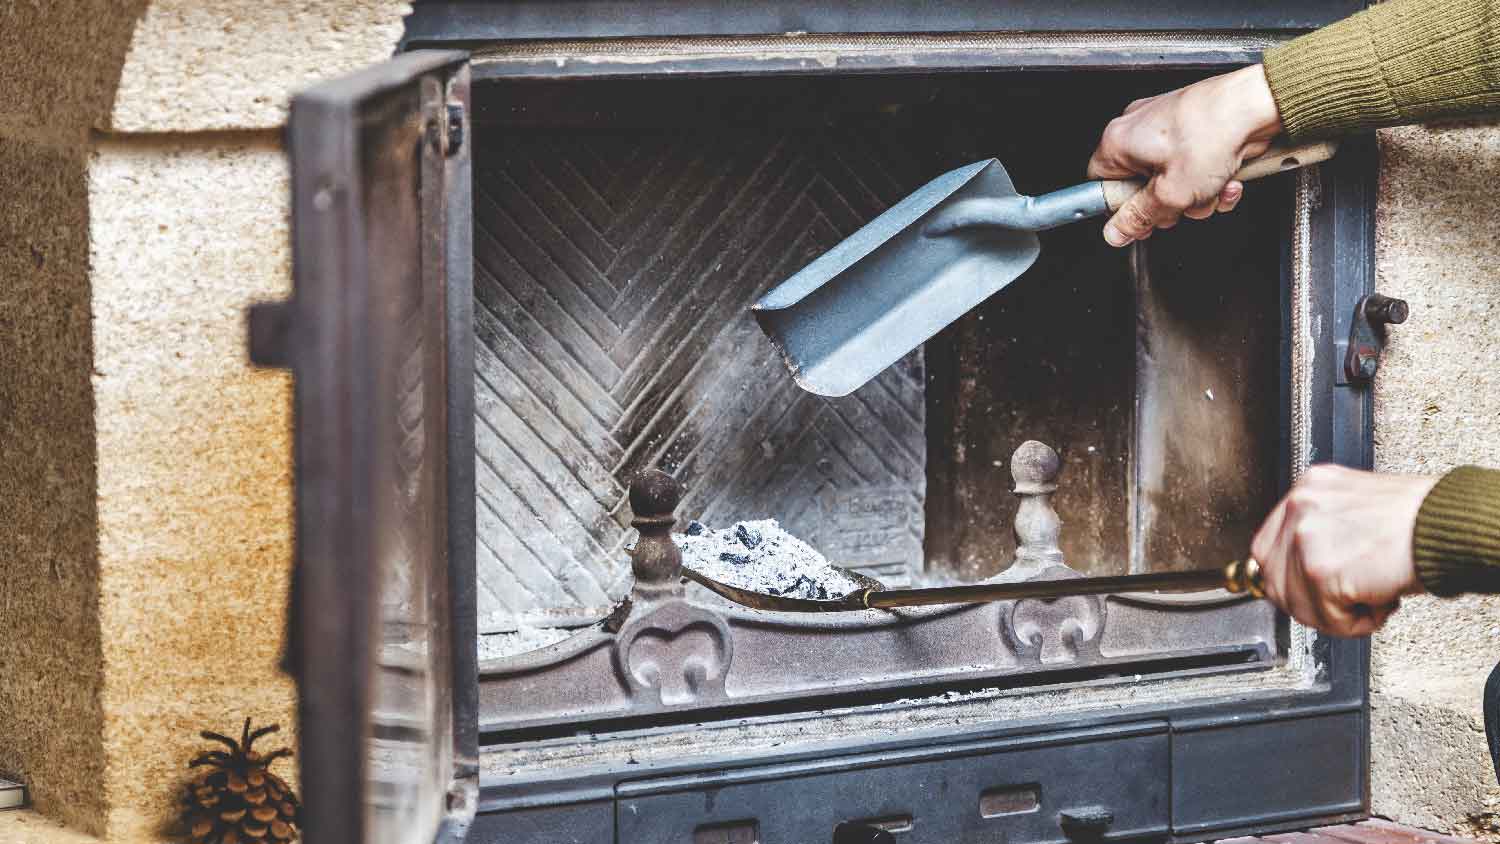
(1014, 791)
(1235, 776)
(579, 823)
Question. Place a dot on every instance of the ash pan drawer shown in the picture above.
(1108, 785)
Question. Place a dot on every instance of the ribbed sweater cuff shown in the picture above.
(1330, 81)
(1456, 541)
(1397, 62)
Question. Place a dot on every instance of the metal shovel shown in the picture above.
(871, 594)
(927, 260)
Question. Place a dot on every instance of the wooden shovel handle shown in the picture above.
(1277, 159)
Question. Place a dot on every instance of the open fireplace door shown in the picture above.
(381, 625)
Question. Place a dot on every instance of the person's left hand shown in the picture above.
(1336, 553)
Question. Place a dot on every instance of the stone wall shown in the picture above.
(148, 466)
(51, 684)
(51, 719)
(1437, 404)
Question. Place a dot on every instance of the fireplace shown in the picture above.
(547, 252)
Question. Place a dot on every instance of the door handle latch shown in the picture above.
(854, 832)
(1087, 823)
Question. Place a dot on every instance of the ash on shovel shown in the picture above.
(762, 557)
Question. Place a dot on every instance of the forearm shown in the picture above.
(1403, 61)
(1456, 541)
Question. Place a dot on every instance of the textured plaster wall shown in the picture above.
(1437, 404)
(51, 665)
(146, 488)
(60, 64)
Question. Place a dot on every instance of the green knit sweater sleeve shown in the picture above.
(1403, 61)
(1456, 542)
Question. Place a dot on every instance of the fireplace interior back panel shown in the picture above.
(614, 271)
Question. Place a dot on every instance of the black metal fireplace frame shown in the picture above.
(473, 22)
(1235, 767)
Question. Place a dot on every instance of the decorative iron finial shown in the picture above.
(1035, 466)
(654, 496)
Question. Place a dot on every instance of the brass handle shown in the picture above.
(1244, 577)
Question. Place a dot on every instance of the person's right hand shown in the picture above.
(1187, 144)
(1336, 553)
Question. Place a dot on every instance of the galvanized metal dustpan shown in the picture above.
(926, 261)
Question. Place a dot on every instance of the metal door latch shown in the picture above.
(854, 832)
(1361, 354)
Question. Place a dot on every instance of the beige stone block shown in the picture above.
(1437, 398)
(233, 64)
(1430, 764)
(1437, 405)
(194, 453)
(1430, 767)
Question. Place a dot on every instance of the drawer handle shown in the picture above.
(853, 832)
(1086, 823)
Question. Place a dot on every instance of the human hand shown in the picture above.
(1187, 144)
(1335, 553)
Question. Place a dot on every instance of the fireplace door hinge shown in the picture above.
(455, 136)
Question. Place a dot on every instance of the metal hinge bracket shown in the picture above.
(455, 128)
(269, 327)
(1359, 357)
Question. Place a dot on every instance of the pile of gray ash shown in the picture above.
(762, 557)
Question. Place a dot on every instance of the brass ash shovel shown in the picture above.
(1237, 577)
(1035, 467)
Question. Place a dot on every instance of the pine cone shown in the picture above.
(237, 800)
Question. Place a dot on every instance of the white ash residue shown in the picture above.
(762, 557)
(520, 641)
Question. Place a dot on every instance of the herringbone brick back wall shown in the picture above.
(613, 274)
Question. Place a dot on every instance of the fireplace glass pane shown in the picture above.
(409, 757)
